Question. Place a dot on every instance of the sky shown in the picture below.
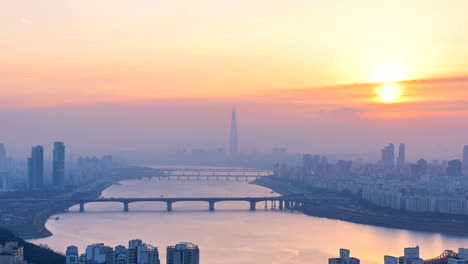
(314, 76)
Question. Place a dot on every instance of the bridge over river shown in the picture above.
(280, 202)
(213, 174)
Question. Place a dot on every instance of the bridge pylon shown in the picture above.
(253, 205)
(169, 206)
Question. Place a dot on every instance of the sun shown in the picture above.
(389, 93)
(388, 73)
(387, 77)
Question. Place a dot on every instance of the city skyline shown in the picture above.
(232, 148)
(388, 154)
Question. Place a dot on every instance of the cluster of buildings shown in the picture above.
(36, 166)
(411, 256)
(137, 252)
(439, 187)
(35, 173)
(421, 168)
(11, 253)
(87, 169)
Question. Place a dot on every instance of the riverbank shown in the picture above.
(348, 208)
(28, 220)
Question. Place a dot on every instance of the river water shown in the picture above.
(232, 234)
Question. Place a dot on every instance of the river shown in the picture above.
(232, 234)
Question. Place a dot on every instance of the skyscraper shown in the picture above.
(183, 253)
(388, 155)
(99, 253)
(233, 143)
(142, 253)
(401, 155)
(3, 168)
(36, 167)
(59, 164)
(465, 159)
(454, 168)
(3, 158)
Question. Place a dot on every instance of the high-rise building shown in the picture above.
(462, 257)
(465, 159)
(401, 155)
(141, 253)
(59, 164)
(132, 253)
(183, 253)
(71, 255)
(120, 255)
(11, 253)
(388, 155)
(419, 169)
(36, 168)
(344, 258)
(454, 168)
(233, 142)
(308, 163)
(411, 256)
(99, 253)
(3, 158)
(4, 174)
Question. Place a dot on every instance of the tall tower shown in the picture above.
(3, 158)
(465, 159)
(388, 156)
(59, 164)
(36, 167)
(233, 142)
(401, 155)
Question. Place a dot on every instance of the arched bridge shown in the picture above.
(283, 202)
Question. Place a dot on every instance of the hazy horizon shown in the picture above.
(162, 129)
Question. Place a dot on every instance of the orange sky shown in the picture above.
(287, 62)
(67, 52)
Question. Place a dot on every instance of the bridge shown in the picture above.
(443, 258)
(283, 202)
(214, 174)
